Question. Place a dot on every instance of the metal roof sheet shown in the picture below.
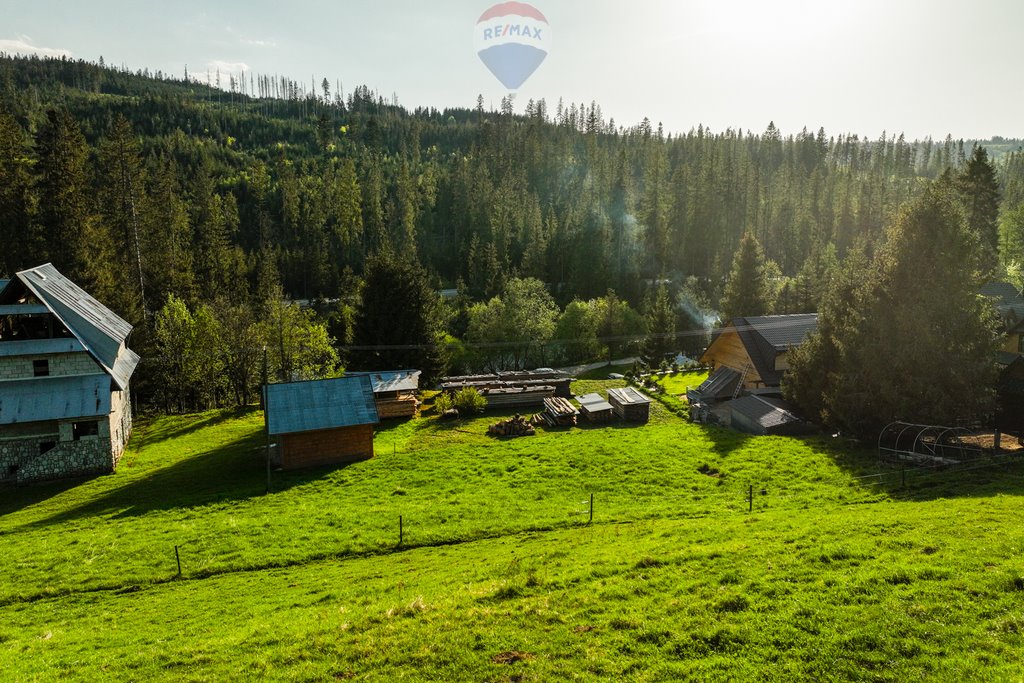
(24, 309)
(323, 404)
(764, 412)
(628, 395)
(594, 403)
(42, 347)
(101, 331)
(3, 284)
(721, 384)
(54, 398)
(391, 380)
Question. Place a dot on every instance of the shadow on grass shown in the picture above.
(230, 473)
(725, 441)
(14, 498)
(183, 425)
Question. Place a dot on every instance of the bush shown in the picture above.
(443, 403)
(469, 401)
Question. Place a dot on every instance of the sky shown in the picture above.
(920, 67)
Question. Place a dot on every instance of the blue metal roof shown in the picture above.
(24, 309)
(3, 283)
(54, 398)
(42, 347)
(324, 404)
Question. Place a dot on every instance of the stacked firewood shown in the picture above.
(560, 412)
(517, 426)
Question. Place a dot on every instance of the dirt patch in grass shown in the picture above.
(511, 657)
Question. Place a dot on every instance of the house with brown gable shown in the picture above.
(749, 356)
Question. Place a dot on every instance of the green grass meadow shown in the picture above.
(835, 575)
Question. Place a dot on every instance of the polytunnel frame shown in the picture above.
(933, 442)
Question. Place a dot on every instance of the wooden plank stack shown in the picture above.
(560, 411)
(595, 408)
(629, 404)
(402, 406)
(561, 384)
(517, 397)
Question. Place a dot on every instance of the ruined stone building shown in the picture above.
(64, 374)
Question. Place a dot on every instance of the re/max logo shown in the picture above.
(509, 30)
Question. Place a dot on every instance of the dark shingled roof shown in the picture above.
(324, 404)
(1009, 301)
(767, 336)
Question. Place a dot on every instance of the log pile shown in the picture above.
(515, 427)
(560, 411)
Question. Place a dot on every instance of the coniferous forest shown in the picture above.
(204, 215)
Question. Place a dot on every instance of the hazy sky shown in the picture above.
(924, 67)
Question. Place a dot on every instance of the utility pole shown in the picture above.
(266, 418)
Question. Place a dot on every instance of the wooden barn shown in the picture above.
(629, 404)
(394, 391)
(756, 348)
(325, 422)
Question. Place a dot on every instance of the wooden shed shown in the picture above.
(595, 408)
(394, 392)
(629, 404)
(324, 422)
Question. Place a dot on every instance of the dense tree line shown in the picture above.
(150, 189)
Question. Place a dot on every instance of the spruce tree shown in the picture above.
(913, 341)
(398, 319)
(661, 326)
(748, 291)
(978, 188)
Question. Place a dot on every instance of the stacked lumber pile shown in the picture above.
(403, 406)
(595, 408)
(517, 397)
(517, 426)
(629, 404)
(562, 385)
(560, 412)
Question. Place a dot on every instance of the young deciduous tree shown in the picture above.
(518, 324)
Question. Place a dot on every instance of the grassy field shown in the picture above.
(831, 577)
(676, 384)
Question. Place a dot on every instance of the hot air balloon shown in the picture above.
(512, 40)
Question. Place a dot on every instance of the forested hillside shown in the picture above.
(149, 190)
